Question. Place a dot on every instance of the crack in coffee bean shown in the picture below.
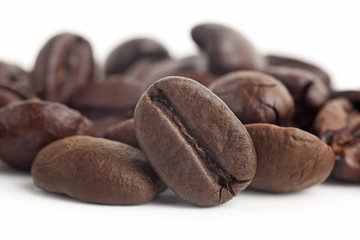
(273, 107)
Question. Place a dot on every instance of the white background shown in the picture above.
(324, 32)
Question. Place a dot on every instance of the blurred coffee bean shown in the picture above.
(8, 96)
(124, 56)
(275, 60)
(226, 48)
(123, 132)
(338, 125)
(352, 95)
(308, 91)
(28, 126)
(102, 124)
(13, 77)
(205, 78)
(64, 66)
(107, 102)
(255, 97)
(187, 66)
(140, 69)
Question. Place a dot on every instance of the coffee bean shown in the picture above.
(108, 98)
(194, 142)
(288, 159)
(255, 97)
(187, 66)
(16, 79)
(227, 49)
(275, 60)
(338, 124)
(352, 95)
(8, 96)
(123, 132)
(102, 124)
(205, 78)
(64, 65)
(128, 53)
(28, 126)
(140, 69)
(308, 91)
(107, 102)
(95, 170)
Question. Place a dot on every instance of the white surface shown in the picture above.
(325, 32)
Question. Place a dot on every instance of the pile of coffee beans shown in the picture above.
(207, 126)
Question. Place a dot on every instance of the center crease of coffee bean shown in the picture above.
(223, 178)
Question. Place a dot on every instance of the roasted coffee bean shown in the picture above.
(95, 170)
(194, 142)
(108, 102)
(64, 66)
(275, 60)
(338, 124)
(352, 95)
(205, 78)
(308, 91)
(28, 126)
(192, 65)
(123, 132)
(102, 124)
(119, 78)
(288, 159)
(128, 53)
(140, 69)
(255, 97)
(108, 98)
(8, 96)
(16, 79)
(227, 49)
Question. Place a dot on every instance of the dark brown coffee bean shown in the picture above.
(128, 53)
(275, 60)
(119, 78)
(352, 95)
(288, 159)
(28, 126)
(123, 132)
(194, 142)
(95, 170)
(103, 123)
(338, 124)
(140, 69)
(205, 78)
(176, 67)
(108, 98)
(308, 91)
(64, 66)
(227, 49)
(255, 97)
(16, 79)
(8, 96)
